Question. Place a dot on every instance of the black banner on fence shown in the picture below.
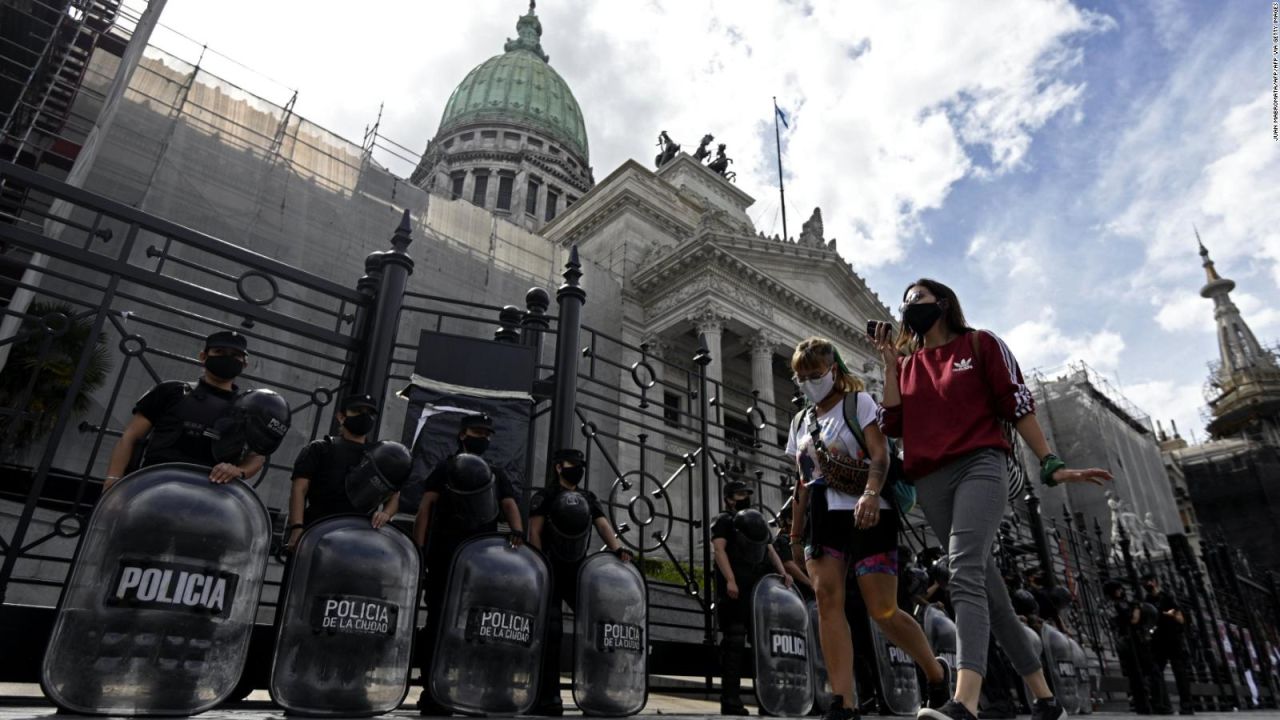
(455, 376)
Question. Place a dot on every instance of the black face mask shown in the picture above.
(358, 424)
(475, 445)
(921, 316)
(226, 367)
(573, 474)
(743, 504)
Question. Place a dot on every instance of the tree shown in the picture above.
(53, 367)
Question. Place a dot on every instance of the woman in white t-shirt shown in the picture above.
(847, 523)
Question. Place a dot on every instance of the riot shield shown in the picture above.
(898, 683)
(821, 680)
(488, 656)
(941, 632)
(346, 620)
(1060, 666)
(611, 626)
(784, 677)
(1086, 678)
(156, 614)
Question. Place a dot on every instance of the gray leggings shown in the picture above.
(964, 502)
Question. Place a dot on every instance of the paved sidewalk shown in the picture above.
(667, 706)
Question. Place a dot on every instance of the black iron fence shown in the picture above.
(103, 301)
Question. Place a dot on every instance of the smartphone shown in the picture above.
(872, 326)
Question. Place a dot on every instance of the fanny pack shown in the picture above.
(840, 472)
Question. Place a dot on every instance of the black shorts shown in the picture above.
(834, 532)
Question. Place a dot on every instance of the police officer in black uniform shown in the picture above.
(736, 577)
(1167, 646)
(1130, 621)
(320, 472)
(561, 518)
(444, 521)
(175, 419)
(782, 546)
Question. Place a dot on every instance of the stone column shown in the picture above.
(762, 347)
(708, 321)
(654, 460)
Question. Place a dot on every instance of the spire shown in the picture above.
(1209, 270)
(1247, 376)
(528, 34)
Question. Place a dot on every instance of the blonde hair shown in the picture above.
(816, 352)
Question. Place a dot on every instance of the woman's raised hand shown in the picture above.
(883, 341)
(1097, 476)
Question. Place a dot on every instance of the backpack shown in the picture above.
(897, 489)
(1013, 465)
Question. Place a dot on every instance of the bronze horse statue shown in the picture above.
(669, 149)
(702, 153)
(720, 165)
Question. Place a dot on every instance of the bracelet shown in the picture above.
(1050, 464)
(796, 542)
(872, 493)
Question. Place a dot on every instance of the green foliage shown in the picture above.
(50, 359)
(663, 570)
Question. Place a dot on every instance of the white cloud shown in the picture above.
(1002, 259)
(1262, 316)
(1166, 400)
(892, 103)
(1041, 343)
(1181, 312)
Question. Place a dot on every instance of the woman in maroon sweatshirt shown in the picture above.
(947, 389)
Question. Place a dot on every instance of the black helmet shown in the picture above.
(1110, 587)
(752, 536)
(258, 422)
(1024, 603)
(1148, 613)
(1060, 596)
(568, 528)
(916, 580)
(472, 491)
(940, 571)
(381, 473)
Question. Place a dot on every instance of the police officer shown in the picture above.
(561, 518)
(1130, 621)
(319, 474)
(174, 421)
(736, 574)
(782, 546)
(445, 520)
(1167, 645)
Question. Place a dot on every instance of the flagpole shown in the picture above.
(782, 191)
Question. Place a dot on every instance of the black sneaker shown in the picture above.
(950, 710)
(1048, 709)
(838, 711)
(735, 710)
(937, 694)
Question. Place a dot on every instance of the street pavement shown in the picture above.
(24, 702)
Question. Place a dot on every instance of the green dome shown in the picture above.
(519, 87)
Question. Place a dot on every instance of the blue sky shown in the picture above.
(1045, 158)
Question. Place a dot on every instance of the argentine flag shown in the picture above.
(782, 116)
